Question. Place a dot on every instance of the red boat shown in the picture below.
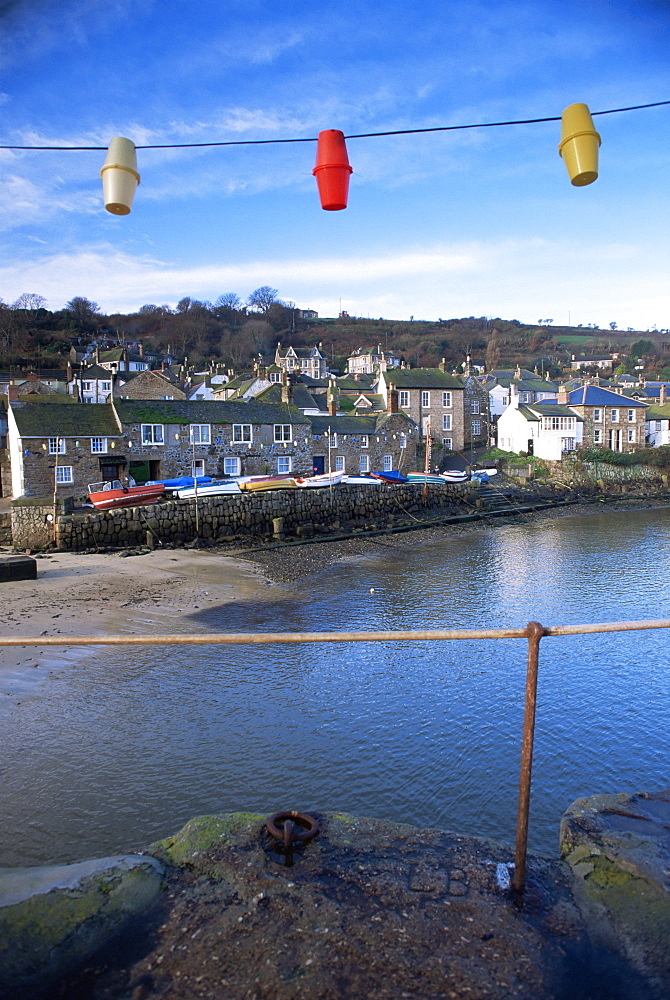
(104, 496)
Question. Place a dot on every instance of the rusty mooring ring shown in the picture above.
(298, 836)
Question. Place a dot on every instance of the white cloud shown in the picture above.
(512, 279)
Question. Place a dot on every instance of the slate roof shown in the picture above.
(95, 372)
(344, 425)
(197, 411)
(300, 397)
(535, 411)
(49, 418)
(596, 395)
(422, 378)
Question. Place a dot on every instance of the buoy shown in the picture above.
(579, 145)
(332, 170)
(119, 176)
(372, 590)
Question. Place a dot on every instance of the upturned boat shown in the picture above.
(390, 477)
(255, 483)
(432, 478)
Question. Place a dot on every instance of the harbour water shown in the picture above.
(115, 749)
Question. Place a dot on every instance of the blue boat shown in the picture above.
(181, 482)
(390, 477)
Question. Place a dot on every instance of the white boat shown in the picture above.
(209, 489)
(324, 479)
(361, 481)
(455, 476)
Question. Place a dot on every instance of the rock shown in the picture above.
(619, 849)
(52, 919)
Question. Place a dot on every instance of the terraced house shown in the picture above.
(611, 420)
(433, 399)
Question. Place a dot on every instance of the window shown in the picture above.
(567, 444)
(658, 425)
(446, 421)
(365, 441)
(152, 434)
(284, 465)
(559, 423)
(403, 440)
(339, 463)
(474, 406)
(447, 443)
(597, 414)
(105, 387)
(200, 434)
(403, 398)
(631, 416)
(56, 446)
(87, 386)
(333, 439)
(231, 466)
(275, 376)
(597, 436)
(242, 432)
(198, 467)
(476, 427)
(64, 474)
(614, 416)
(388, 463)
(446, 399)
(364, 463)
(167, 397)
(505, 400)
(425, 398)
(98, 446)
(631, 435)
(282, 432)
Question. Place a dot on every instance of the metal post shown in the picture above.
(535, 631)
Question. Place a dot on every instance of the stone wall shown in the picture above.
(174, 521)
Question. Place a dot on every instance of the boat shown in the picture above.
(105, 496)
(390, 477)
(254, 484)
(211, 489)
(455, 476)
(483, 474)
(323, 479)
(432, 478)
(361, 481)
(182, 482)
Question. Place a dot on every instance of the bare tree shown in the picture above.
(31, 301)
(262, 298)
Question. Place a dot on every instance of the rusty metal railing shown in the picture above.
(534, 632)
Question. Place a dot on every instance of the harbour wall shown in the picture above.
(213, 519)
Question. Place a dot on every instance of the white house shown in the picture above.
(546, 430)
(658, 421)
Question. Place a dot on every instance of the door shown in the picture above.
(319, 465)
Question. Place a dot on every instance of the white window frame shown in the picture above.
(333, 439)
(231, 465)
(631, 416)
(152, 434)
(631, 435)
(474, 404)
(446, 399)
(363, 463)
(365, 441)
(448, 443)
(340, 465)
(200, 433)
(98, 446)
(198, 467)
(425, 398)
(243, 433)
(597, 414)
(57, 446)
(387, 462)
(403, 398)
(446, 421)
(283, 433)
(87, 386)
(597, 436)
(105, 387)
(64, 475)
(476, 427)
(402, 437)
(284, 464)
(614, 415)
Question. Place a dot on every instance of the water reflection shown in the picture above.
(113, 750)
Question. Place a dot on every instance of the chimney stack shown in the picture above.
(563, 395)
(392, 406)
(663, 395)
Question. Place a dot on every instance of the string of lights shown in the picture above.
(360, 135)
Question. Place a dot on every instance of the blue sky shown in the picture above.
(478, 222)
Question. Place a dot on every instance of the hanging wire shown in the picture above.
(360, 135)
